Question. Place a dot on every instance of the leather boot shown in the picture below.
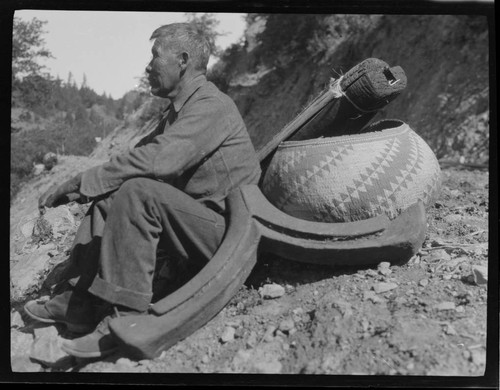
(74, 309)
(100, 342)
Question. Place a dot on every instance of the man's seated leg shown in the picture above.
(143, 212)
(76, 307)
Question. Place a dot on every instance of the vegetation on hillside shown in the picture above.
(49, 114)
(287, 59)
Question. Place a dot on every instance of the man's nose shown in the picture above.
(148, 68)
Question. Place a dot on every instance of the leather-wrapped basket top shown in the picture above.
(383, 170)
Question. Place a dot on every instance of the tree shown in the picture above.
(207, 24)
(28, 47)
(29, 86)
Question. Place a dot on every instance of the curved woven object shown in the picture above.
(385, 169)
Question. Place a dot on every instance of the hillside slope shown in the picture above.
(445, 59)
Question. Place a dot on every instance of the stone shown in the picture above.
(252, 340)
(25, 274)
(450, 330)
(268, 367)
(480, 274)
(478, 357)
(24, 364)
(297, 314)
(423, 282)
(286, 325)
(227, 334)
(271, 291)
(415, 259)
(238, 334)
(460, 309)
(47, 248)
(438, 255)
(38, 169)
(27, 228)
(163, 355)
(126, 362)
(269, 334)
(384, 268)
(234, 322)
(371, 296)
(454, 262)
(47, 348)
(20, 343)
(241, 360)
(384, 287)
(445, 306)
(16, 321)
(343, 307)
(371, 272)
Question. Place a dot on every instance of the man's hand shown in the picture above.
(59, 195)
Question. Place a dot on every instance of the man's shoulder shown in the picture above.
(209, 91)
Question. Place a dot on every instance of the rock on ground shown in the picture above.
(46, 348)
(384, 287)
(271, 291)
(480, 274)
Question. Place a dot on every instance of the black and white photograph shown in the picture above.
(288, 193)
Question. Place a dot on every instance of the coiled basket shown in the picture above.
(385, 169)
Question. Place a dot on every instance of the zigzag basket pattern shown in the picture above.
(353, 177)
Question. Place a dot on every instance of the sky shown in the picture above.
(111, 48)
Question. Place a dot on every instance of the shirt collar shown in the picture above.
(187, 91)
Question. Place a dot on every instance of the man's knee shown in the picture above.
(144, 189)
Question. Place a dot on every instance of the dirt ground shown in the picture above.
(426, 317)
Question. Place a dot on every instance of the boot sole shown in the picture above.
(87, 355)
(72, 327)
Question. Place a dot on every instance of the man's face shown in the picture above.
(163, 71)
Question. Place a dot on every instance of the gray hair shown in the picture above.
(185, 37)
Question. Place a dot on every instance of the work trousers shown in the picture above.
(114, 252)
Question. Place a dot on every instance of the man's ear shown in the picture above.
(183, 60)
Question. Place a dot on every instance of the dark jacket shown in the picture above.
(201, 146)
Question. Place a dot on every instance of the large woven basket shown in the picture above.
(353, 177)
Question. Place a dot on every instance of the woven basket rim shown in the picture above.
(389, 131)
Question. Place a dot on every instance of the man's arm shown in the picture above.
(198, 131)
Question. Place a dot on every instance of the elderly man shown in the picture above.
(168, 192)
